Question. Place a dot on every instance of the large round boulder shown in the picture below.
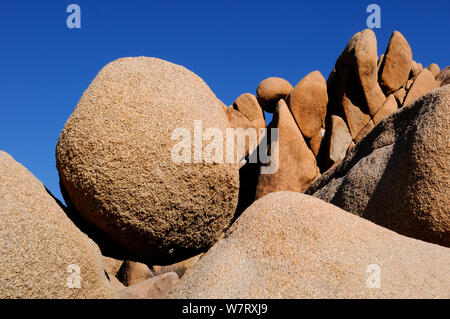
(43, 254)
(130, 160)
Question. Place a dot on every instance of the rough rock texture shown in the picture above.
(270, 91)
(444, 77)
(424, 83)
(290, 245)
(114, 160)
(179, 268)
(297, 166)
(132, 273)
(157, 287)
(38, 243)
(308, 103)
(398, 176)
(394, 70)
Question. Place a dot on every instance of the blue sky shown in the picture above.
(233, 45)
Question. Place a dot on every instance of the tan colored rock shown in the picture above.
(111, 265)
(247, 135)
(416, 68)
(290, 245)
(355, 118)
(408, 84)
(369, 126)
(308, 103)
(388, 107)
(444, 77)
(352, 145)
(360, 55)
(424, 83)
(248, 105)
(353, 89)
(296, 163)
(339, 140)
(397, 176)
(132, 273)
(42, 253)
(117, 285)
(316, 141)
(114, 158)
(400, 95)
(179, 268)
(157, 287)
(270, 91)
(394, 71)
(434, 69)
(379, 63)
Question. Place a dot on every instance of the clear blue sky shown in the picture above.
(233, 45)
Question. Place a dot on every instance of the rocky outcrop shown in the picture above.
(293, 165)
(397, 176)
(290, 245)
(394, 70)
(43, 254)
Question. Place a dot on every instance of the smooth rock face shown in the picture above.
(246, 114)
(157, 287)
(398, 176)
(111, 265)
(308, 104)
(339, 140)
(394, 71)
(353, 90)
(296, 163)
(290, 245)
(424, 83)
(40, 248)
(444, 77)
(389, 106)
(179, 268)
(416, 68)
(342, 91)
(360, 56)
(248, 105)
(434, 69)
(400, 95)
(369, 126)
(270, 91)
(246, 136)
(132, 273)
(114, 160)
